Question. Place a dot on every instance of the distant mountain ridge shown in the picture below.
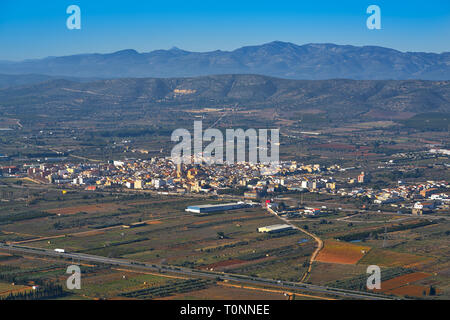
(7, 80)
(277, 59)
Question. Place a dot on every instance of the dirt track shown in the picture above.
(316, 238)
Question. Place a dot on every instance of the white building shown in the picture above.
(158, 183)
(275, 228)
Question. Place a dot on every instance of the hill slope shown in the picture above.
(343, 98)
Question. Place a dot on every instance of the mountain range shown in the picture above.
(340, 98)
(276, 59)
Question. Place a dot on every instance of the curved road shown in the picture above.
(316, 238)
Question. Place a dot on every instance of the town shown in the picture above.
(242, 180)
(193, 151)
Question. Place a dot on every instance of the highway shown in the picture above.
(286, 285)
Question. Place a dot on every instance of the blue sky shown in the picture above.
(36, 29)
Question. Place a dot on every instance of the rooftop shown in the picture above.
(214, 205)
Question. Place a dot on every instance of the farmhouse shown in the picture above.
(312, 211)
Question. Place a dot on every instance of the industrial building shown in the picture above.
(217, 207)
(275, 228)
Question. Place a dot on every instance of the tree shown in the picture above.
(432, 291)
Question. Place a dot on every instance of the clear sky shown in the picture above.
(36, 29)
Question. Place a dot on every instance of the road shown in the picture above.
(348, 219)
(283, 285)
(316, 238)
(314, 255)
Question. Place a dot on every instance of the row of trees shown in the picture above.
(46, 291)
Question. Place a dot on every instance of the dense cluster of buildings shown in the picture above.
(433, 193)
(251, 181)
(163, 175)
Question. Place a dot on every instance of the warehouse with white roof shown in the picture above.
(217, 207)
(275, 228)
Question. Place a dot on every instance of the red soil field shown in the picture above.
(411, 290)
(403, 280)
(341, 252)
(403, 286)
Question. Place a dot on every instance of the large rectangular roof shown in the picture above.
(204, 206)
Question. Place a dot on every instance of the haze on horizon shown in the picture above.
(213, 50)
(30, 30)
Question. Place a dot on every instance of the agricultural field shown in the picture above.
(324, 273)
(106, 282)
(406, 285)
(399, 245)
(228, 291)
(342, 252)
(181, 238)
(390, 258)
(155, 229)
(223, 241)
